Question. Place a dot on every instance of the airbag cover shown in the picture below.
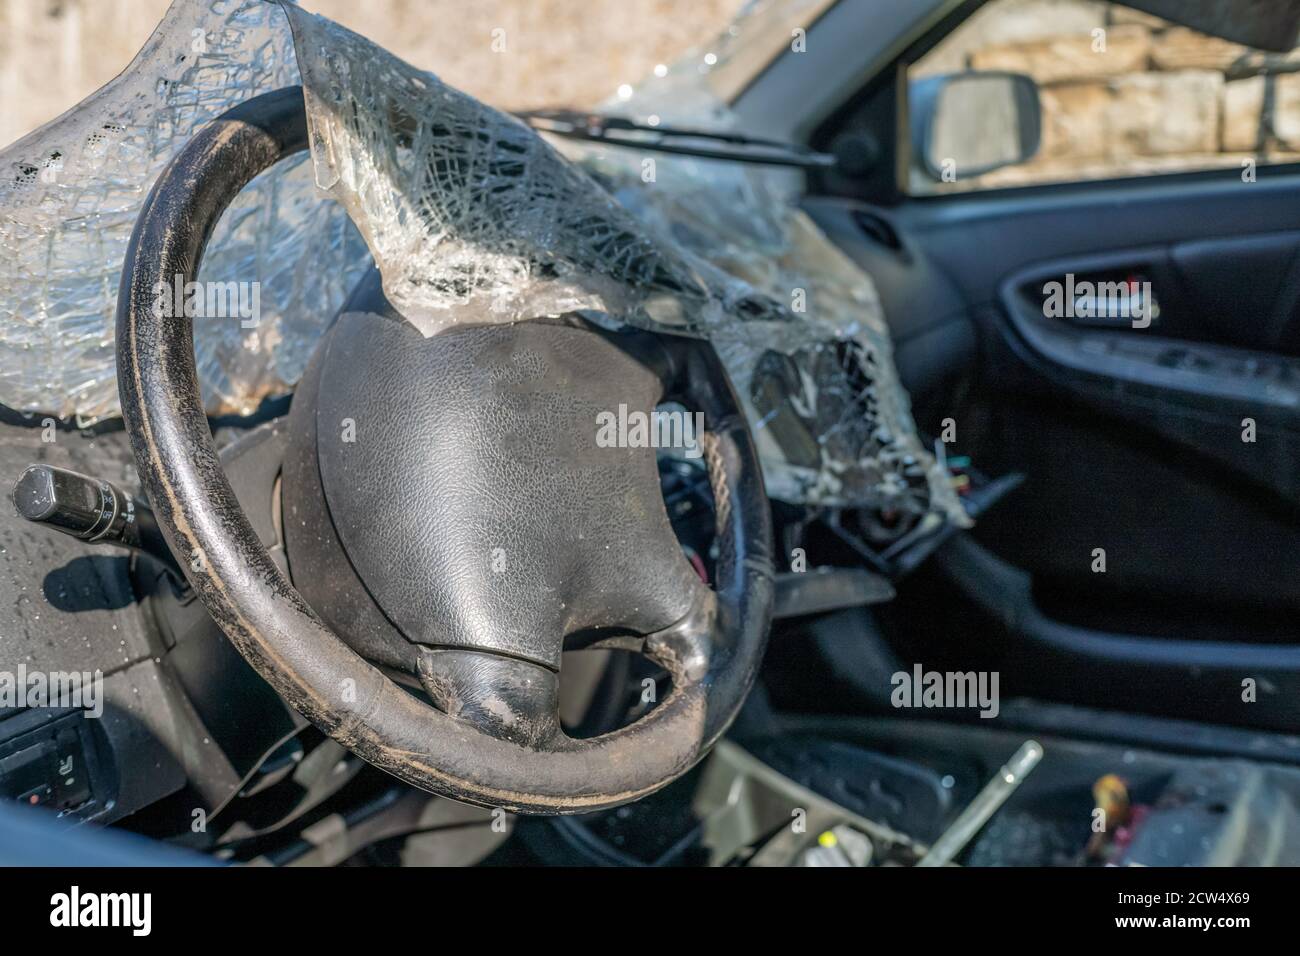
(464, 479)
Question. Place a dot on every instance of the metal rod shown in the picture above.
(986, 803)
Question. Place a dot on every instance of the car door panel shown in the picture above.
(1131, 439)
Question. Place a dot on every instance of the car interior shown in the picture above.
(448, 642)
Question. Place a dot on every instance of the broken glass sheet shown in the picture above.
(70, 193)
(471, 217)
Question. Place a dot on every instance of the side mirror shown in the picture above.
(968, 124)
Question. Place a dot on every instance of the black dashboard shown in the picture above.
(166, 707)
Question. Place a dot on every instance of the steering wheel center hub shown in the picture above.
(464, 480)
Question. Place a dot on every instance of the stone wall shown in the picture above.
(1125, 93)
(53, 53)
(1157, 97)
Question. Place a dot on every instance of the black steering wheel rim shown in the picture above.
(270, 623)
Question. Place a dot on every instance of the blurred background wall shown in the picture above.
(557, 52)
(1158, 97)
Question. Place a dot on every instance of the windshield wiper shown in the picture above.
(707, 144)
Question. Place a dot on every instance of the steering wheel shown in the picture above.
(474, 514)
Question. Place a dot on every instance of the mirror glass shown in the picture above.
(981, 122)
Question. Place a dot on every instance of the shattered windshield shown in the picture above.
(471, 217)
